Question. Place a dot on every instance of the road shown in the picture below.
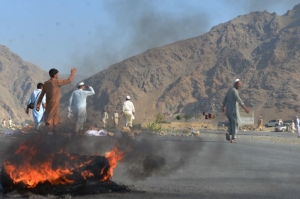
(211, 167)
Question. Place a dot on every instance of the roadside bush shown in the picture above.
(159, 118)
(178, 117)
(187, 116)
(197, 116)
(154, 127)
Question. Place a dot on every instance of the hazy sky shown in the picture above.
(93, 34)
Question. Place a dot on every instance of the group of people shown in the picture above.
(127, 112)
(45, 102)
(3, 124)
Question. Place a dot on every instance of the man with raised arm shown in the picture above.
(52, 90)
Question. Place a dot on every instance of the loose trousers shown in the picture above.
(81, 118)
(128, 118)
(232, 125)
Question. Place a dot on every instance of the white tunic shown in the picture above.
(128, 107)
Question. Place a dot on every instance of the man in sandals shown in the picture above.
(231, 104)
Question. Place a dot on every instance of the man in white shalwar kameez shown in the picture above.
(37, 115)
(298, 126)
(231, 104)
(77, 104)
(128, 111)
(116, 118)
(9, 123)
(104, 118)
(293, 126)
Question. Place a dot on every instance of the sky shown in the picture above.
(91, 35)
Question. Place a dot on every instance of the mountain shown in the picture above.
(78, 78)
(18, 79)
(260, 48)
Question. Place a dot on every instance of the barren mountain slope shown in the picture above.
(261, 48)
(18, 79)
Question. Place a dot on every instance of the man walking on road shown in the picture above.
(297, 126)
(52, 90)
(260, 123)
(128, 110)
(231, 104)
(37, 115)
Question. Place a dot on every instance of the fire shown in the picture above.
(29, 167)
(113, 157)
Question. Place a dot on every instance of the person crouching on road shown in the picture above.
(231, 104)
(78, 102)
(128, 111)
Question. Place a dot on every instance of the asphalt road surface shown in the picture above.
(211, 167)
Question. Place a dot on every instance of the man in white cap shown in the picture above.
(77, 103)
(297, 126)
(231, 104)
(128, 111)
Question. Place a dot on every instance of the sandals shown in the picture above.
(232, 141)
(227, 136)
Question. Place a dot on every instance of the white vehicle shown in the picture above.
(273, 123)
(281, 128)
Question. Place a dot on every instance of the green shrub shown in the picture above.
(178, 117)
(154, 127)
(159, 118)
(187, 116)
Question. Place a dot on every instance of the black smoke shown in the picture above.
(139, 26)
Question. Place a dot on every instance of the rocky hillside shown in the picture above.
(18, 79)
(260, 48)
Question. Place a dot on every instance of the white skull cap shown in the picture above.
(237, 80)
(127, 97)
(81, 84)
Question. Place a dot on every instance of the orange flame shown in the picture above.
(113, 157)
(86, 174)
(32, 173)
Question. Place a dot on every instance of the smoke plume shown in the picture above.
(141, 25)
(148, 157)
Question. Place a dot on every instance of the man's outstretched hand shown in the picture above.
(73, 70)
